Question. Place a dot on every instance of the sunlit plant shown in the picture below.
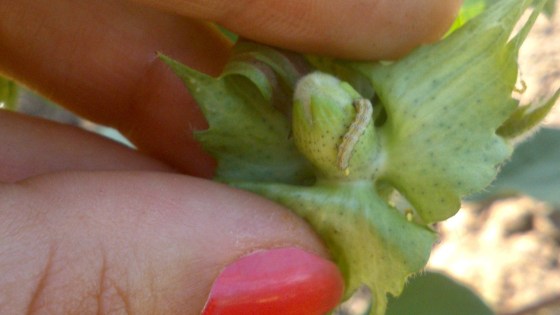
(371, 154)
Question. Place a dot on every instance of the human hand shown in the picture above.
(88, 225)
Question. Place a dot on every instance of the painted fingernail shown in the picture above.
(278, 281)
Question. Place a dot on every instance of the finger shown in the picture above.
(32, 146)
(148, 243)
(98, 58)
(354, 29)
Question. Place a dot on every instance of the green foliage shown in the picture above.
(8, 94)
(227, 33)
(469, 10)
(430, 138)
(433, 293)
(525, 118)
(533, 170)
(550, 8)
(442, 116)
(249, 135)
(371, 242)
(359, 227)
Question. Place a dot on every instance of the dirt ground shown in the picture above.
(509, 250)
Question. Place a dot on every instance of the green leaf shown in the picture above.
(444, 103)
(430, 134)
(227, 33)
(249, 136)
(371, 242)
(472, 8)
(527, 117)
(8, 94)
(433, 293)
(550, 8)
(533, 170)
(469, 10)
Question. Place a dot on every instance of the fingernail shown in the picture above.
(278, 281)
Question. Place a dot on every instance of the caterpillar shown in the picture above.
(364, 112)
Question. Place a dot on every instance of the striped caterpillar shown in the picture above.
(364, 112)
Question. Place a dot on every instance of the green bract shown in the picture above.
(443, 112)
(370, 153)
(8, 94)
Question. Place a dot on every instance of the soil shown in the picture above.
(508, 250)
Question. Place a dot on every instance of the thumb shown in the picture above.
(364, 29)
(154, 243)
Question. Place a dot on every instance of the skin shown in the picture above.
(88, 225)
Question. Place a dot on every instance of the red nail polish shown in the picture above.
(279, 281)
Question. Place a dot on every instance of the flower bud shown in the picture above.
(333, 127)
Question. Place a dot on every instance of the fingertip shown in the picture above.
(278, 281)
(370, 30)
(364, 30)
(158, 241)
(164, 110)
(104, 68)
